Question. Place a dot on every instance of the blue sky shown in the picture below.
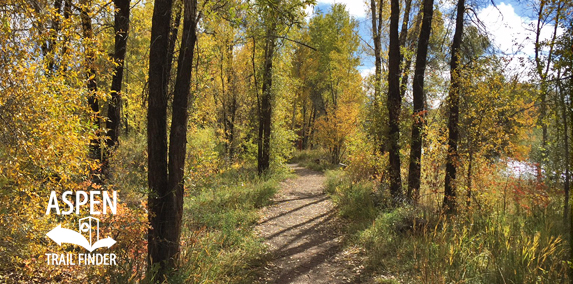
(509, 26)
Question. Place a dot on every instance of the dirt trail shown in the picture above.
(303, 235)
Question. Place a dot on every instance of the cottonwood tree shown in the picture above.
(548, 13)
(419, 110)
(121, 28)
(166, 162)
(90, 53)
(334, 80)
(453, 101)
(394, 103)
(376, 8)
(276, 17)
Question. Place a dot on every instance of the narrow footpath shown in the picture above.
(303, 235)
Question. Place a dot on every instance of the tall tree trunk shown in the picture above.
(88, 37)
(160, 197)
(570, 112)
(266, 108)
(407, 40)
(121, 27)
(419, 112)
(542, 71)
(376, 12)
(394, 102)
(166, 178)
(49, 49)
(565, 122)
(178, 134)
(67, 14)
(405, 61)
(454, 111)
(469, 178)
(376, 26)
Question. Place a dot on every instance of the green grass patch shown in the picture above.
(474, 246)
(218, 243)
(316, 160)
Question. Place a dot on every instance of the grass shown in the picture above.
(218, 243)
(221, 207)
(316, 160)
(419, 245)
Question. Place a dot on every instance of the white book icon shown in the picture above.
(62, 235)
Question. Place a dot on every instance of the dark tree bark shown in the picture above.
(376, 12)
(405, 23)
(565, 121)
(179, 119)
(376, 26)
(173, 35)
(419, 111)
(88, 37)
(228, 99)
(542, 71)
(159, 196)
(454, 111)
(570, 114)
(166, 179)
(67, 14)
(263, 153)
(121, 27)
(407, 40)
(48, 49)
(394, 102)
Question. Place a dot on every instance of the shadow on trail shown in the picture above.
(317, 238)
(304, 172)
(303, 234)
(296, 209)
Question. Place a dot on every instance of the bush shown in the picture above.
(484, 243)
(355, 200)
(316, 160)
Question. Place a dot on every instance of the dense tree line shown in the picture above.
(261, 79)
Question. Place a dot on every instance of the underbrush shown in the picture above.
(218, 243)
(316, 160)
(220, 208)
(420, 245)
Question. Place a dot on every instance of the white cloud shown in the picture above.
(356, 8)
(513, 35)
(309, 10)
(508, 31)
(365, 72)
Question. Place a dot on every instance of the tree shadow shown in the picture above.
(324, 198)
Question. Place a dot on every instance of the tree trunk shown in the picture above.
(542, 73)
(376, 26)
(266, 108)
(66, 38)
(570, 112)
(394, 102)
(406, 38)
(178, 134)
(160, 197)
(121, 27)
(454, 110)
(565, 122)
(469, 178)
(419, 112)
(376, 12)
(166, 179)
(88, 37)
(405, 61)
(49, 49)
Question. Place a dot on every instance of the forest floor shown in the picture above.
(304, 236)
